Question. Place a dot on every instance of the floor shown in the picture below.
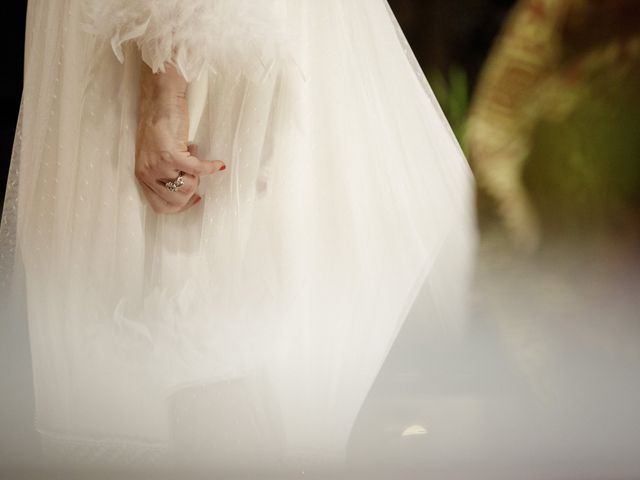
(544, 383)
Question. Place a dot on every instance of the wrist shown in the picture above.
(164, 86)
(162, 110)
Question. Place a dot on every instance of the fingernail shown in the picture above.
(222, 167)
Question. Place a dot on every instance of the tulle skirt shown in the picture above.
(264, 313)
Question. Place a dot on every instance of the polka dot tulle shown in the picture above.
(276, 298)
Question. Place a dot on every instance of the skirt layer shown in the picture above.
(276, 299)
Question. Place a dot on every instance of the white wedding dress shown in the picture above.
(248, 329)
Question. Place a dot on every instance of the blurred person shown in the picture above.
(552, 57)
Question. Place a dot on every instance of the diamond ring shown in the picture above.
(174, 185)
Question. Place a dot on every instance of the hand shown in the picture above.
(161, 143)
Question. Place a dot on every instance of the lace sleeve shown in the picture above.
(224, 35)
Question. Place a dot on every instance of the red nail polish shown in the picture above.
(222, 168)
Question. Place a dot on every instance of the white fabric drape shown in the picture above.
(230, 36)
(266, 311)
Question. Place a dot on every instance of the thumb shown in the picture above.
(213, 166)
(217, 165)
(207, 167)
(193, 149)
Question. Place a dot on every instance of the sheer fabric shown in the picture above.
(251, 327)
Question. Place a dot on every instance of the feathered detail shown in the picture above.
(231, 36)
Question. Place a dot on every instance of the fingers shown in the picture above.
(160, 205)
(189, 186)
(153, 181)
(163, 200)
(157, 203)
(195, 198)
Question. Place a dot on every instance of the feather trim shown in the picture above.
(232, 36)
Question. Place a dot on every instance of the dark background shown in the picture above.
(441, 32)
(12, 37)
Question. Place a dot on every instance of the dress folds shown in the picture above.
(265, 311)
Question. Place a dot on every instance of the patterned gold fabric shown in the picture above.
(540, 68)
